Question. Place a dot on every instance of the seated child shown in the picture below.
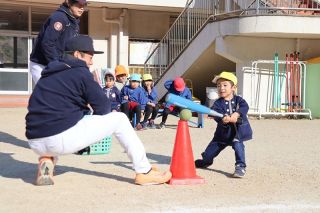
(233, 129)
(133, 99)
(121, 77)
(152, 107)
(177, 87)
(112, 92)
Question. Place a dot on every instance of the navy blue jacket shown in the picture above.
(153, 96)
(114, 97)
(50, 43)
(60, 98)
(137, 95)
(227, 132)
(186, 93)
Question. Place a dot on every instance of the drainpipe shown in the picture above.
(298, 45)
(118, 21)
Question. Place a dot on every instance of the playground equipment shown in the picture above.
(281, 90)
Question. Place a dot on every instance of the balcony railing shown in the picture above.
(198, 13)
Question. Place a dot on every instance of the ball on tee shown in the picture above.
(185, 114)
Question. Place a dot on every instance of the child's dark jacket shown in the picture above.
(186, 93)
(228, 132)
(114, 97)
(153, 96)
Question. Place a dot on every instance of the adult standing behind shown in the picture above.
(62, 25)
(55, 124)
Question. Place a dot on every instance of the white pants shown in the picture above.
(90, 130)
(35, 70)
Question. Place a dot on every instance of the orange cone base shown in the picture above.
(187, 181)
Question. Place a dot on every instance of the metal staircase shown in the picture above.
(198, 13)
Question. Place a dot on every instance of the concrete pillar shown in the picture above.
(113, 49)
(123, 54)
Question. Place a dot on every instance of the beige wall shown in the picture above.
(148, 24)
(137, 24)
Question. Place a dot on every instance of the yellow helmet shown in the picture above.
(226, 75)
(119, 70)
(147, 77)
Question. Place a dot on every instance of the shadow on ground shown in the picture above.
(10, 139)
(154, 159)
(227, 174)
(16, 169)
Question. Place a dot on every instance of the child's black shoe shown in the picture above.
(162, 125)
(144, 125)
(239, 171)
(151, 125)
(201, 164)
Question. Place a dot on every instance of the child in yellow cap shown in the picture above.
(152, 107)
(233, 129)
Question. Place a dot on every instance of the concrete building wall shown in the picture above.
(111, 30)
(148, 24)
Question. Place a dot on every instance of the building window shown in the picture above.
(39, 15)
(139, 50)
(13, 18)
(14, 80)
(13, 52)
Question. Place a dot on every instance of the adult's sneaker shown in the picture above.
(153, 177)
(45, 171)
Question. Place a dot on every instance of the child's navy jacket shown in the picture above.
(228, 132)
(136, 95)
(114, 97)
(186, 93)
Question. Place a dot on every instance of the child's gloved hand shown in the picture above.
(234, 117)
(126, 97)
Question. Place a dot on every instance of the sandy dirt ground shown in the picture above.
(283, 172)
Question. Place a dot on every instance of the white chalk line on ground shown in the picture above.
(251, 208)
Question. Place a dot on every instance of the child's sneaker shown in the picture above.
(239, 171)
(162, 125)
(201, 164)
(45, 171)
(151, 125)
(139, 127)
(153, 177)
(144, 125)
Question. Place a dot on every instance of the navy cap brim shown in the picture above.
(98, 52)
(94, 52)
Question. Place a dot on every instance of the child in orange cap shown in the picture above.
(121, 74)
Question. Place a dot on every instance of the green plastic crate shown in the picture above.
(100, 148)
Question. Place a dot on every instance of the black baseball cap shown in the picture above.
(82, 43)
(83, 2)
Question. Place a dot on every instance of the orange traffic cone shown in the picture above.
(182, 162)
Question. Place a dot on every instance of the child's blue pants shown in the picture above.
(214, 148)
